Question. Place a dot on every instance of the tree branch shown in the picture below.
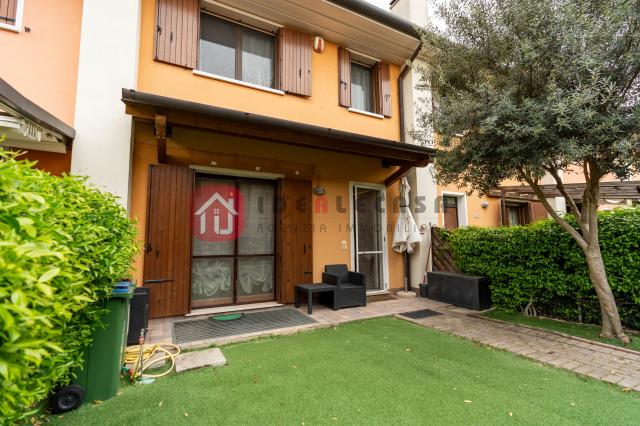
(559, 220)
(560, 185)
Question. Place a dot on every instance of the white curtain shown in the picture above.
(257, 58)
(217, 47)
(255, 274)
(361, 87)
(211, 278)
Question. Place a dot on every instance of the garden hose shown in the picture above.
(133, 354)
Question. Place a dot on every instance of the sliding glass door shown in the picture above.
(233, 241)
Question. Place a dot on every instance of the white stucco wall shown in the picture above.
(423, 185)
(108, 62)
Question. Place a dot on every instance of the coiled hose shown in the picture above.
(132, 356)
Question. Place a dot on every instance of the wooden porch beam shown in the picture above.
(160, 121)
(403, 170)
(278, 135)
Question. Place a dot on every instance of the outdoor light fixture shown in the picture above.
(319, 190)
(484, 204)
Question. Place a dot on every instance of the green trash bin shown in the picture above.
(99, 378)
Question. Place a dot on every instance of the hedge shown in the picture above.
(63, 244)
(540, 262)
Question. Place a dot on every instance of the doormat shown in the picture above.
(250, 322)
(424, 313)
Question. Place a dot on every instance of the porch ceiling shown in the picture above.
(148, 107)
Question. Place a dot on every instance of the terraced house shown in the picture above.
(253, 141)
(265, 145)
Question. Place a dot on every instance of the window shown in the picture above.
(361, 90)
(11, 14)
(235, 51)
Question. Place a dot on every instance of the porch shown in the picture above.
(238, 208)
(161, 330)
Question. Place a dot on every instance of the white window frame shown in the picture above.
(17, 26)
(383, 223)
(462, 207)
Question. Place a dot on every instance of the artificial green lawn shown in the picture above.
(585, 331)
(380, 371)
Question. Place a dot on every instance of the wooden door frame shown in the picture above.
(383, 223)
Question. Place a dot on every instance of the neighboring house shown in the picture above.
(40, 42)
(451, 207)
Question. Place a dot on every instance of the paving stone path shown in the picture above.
(603, 362)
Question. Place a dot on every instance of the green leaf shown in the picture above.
(50, 274)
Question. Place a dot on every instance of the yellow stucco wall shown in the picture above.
(320, 109)
(476, 214)
(331, 170)
(42, 64)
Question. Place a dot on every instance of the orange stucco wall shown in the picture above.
(42, 64)
(52, 162)
(320, 109)
(331, 170)
(476, 214)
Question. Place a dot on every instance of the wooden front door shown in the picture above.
(450, 210)
(167, 251)
(294, 242)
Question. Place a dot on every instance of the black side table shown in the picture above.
(310, 289)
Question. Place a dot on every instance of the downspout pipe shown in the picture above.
(403, 72)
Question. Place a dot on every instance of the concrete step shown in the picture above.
(207, 358)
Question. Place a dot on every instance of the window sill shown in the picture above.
(370, 114)
(238, 82)
(8, 27)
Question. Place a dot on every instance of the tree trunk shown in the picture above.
(611, 325)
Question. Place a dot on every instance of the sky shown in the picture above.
(380, 3)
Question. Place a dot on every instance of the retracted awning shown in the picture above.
(29, 126)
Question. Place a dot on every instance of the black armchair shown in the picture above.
(351, 286)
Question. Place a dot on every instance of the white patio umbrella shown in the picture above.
(406, 233)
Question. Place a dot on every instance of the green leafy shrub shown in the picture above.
(541, 263)
(63, 245)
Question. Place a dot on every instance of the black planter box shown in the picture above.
(460, 290)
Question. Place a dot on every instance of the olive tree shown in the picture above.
(525, 89)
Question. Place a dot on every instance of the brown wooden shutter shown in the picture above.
(380, 74)
(167, 257)
(294, 241)
(344, 77)
(177, 32)
(294, 62)
(8, 11)
(504, 217)
(537, 211)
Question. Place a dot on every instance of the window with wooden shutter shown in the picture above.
(381, 89)
(294, 52)
(344, 77)
(385, 89)
(177, 32)
(10, 14)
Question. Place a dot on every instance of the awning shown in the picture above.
(165, 111)
(28, 126)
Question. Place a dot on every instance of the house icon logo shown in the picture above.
(217, 210)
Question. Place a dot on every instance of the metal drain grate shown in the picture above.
(423, 313)
(252, 322)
